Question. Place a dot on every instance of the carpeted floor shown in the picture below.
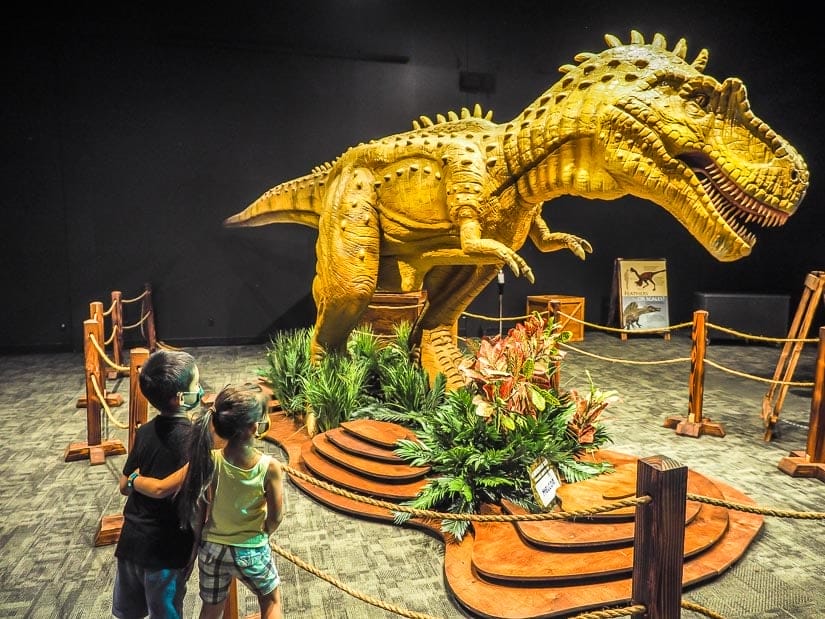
(50, 509)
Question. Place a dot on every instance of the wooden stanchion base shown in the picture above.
(694, 429)
(96, 454)
(798, 465)
(108, 529)
(112, 399)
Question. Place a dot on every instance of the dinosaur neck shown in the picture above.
(549, 150)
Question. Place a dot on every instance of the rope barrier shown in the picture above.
(434, 515)
(139, 322)
(761, 338)
(701, 610)
(111, 308)
(636, 609)
(347, 589)
(111, 337)
(102, 399)
(758, 378)
(102, 353)
(628, 361)
(781, 513)
(137, 298)
(675, 327)
(682, 359)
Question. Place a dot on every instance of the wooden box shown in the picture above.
(568, 305)
(389, 309)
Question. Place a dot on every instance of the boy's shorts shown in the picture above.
(217, 564)
(141, 591)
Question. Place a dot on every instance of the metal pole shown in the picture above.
(500, 302)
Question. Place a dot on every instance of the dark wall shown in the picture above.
(129, 134)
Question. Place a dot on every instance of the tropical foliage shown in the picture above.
(482, 440)
(479, 441)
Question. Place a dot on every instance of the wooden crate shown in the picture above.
(389, 309)
(569, 305)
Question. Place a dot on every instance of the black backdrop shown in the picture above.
(130, 131)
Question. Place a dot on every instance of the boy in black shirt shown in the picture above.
(154, 554)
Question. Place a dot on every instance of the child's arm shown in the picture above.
(153, 487)
(274, 488)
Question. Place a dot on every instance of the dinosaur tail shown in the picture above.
(298, 201)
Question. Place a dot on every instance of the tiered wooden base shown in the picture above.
(522, 569)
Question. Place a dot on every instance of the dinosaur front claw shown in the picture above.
(579, 246)
(519, 266)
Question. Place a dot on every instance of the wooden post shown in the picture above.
(117, 330)
(694, 425)
(147, 310)
(92, 328)
(231, 608)
(659, 537)
(138, 406)
(94, 449)
(811, 462)
(785, 367)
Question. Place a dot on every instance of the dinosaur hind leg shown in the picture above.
(450, 290)
(346, 269)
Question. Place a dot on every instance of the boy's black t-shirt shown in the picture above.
(151, 535)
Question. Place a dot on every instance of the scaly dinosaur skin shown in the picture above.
(444, 206)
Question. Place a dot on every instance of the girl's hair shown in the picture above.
(234, 410)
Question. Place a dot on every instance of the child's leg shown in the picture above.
(212, 611)
(256, 569)
(271, 604)
(215, 573)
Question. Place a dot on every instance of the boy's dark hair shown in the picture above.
(165, 373)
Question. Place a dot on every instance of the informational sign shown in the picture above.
(642, 293)
(544, 481)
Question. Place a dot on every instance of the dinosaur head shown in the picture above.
(660, 129)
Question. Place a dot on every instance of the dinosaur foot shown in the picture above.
(440, 353)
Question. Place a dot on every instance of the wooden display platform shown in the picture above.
(569, 305)
(521, 569)
(386, 310)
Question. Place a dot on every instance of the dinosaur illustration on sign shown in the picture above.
(646, 279)
(443, 207)
(633, 311)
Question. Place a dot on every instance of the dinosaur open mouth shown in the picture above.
(734, 206)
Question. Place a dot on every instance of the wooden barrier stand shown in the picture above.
(695, 425)
(775, 397)
(94, 448)
(811, 462)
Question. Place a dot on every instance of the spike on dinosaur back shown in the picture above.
(464, 114)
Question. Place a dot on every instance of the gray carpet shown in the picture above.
(50, 509)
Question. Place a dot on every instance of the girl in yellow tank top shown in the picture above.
(233, 498)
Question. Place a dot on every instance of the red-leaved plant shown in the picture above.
(513, 373)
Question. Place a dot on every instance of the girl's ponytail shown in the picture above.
(194, 491)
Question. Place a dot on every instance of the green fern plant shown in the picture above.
(288, 362)
(403, 386)
(334, 389)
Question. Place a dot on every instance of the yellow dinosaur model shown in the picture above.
(443, 207)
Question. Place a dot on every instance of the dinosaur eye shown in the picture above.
(701, 100)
